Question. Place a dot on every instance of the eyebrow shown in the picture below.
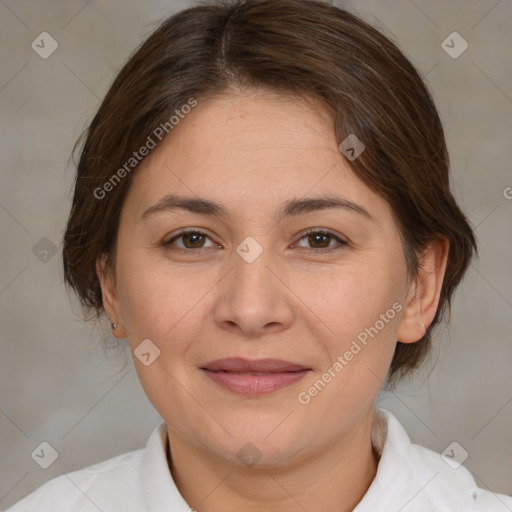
(290, 208)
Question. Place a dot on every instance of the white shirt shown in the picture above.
(410, 478)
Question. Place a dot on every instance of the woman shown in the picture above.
(262, 209)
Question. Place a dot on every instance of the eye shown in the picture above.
(191, 239)
(194, 240)
(320, 240)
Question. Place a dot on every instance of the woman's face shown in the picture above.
(255, 285)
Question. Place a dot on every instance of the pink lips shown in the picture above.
(254, 377)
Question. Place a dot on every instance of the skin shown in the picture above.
(252, 151)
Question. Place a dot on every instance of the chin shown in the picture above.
(259, 444)
(256, 455)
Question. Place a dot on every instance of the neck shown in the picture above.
(332, 480)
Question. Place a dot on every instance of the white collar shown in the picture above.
(409, 477)
(160, 491)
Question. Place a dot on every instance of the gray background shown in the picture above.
(58, 385)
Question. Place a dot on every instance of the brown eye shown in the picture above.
(319, 240)
(322, 240)
(193, 240)
(190, 240)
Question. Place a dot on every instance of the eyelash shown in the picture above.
(342, 243)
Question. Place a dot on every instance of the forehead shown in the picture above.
(250, 148)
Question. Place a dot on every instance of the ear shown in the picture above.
(424, 292)
(110, 298)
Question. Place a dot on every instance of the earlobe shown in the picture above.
(110, 298)
(424, 293)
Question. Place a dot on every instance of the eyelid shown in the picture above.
(184, 231)
(187, 230)
(324, 231)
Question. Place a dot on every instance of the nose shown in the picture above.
(253, 298)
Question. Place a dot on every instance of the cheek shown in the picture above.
(161, 302)
(357, 326)
(164, 305)
(350, 299)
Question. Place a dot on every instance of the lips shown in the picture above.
(241, 365)
(253, 378)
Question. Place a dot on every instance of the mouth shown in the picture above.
(241, 365)
(252, 378)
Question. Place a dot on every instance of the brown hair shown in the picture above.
(303, 47)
